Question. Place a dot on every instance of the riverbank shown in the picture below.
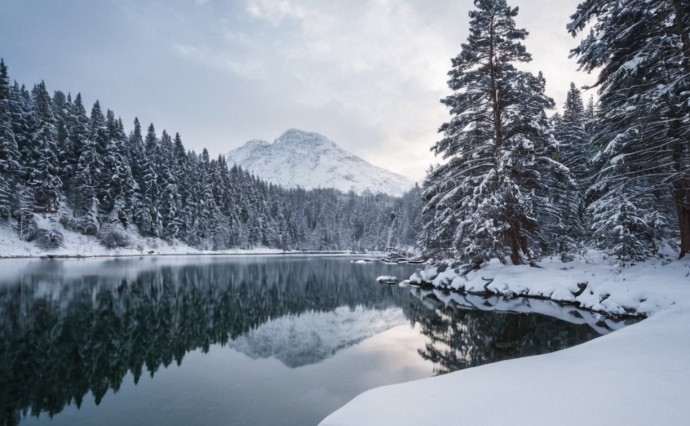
(635, 376)
(77, 245)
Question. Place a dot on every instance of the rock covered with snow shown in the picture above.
(310, 160)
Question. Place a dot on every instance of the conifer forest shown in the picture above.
(58, 161)
(517, 179)
(612, 174)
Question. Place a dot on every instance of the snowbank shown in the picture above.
(636, 376)
(591, 283)
(79, 245)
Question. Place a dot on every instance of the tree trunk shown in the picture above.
(514, 241)
(681, 187)
(681, 196)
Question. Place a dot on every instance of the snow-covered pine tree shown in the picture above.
(61, 107)
(180, 168)
(641, 49)
(171, 202)
(9, 150)
(117, 188)
(207, 210)
(145, 177)
(77, 126)
(226, 223)
(575, 152)
(572, 137)
(486, 201)
(21, 112)
(84, 188)
(151, 190)
(20, 106)
(193, 202)
(43, 164)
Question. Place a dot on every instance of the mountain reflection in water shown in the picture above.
(74, 327)
(66, 333)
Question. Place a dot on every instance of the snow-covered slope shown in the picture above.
(298, 340)
(310, 160)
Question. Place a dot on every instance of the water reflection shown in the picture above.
(467, 331)
(75, 329)
(66, 333)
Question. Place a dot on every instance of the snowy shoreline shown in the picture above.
(445, 282)
(239, 252)
(79, 246)
(635, 376)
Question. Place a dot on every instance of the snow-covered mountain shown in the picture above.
(298, 340)
(310, 160)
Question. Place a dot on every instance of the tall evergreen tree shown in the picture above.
(572, 136)
(641, 49)
(119, 197)
(487, 199)
(151, 188)
(43, 165)
(575, 153)
(144, 175)
(84, 186)
(78, 134)
(171, 200)
(9, 150)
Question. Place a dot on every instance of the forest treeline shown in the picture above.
(84, 170)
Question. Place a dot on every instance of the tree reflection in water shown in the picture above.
(64, 336)
(77, 327)
(461, 335)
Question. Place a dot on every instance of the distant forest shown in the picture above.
(60, 163)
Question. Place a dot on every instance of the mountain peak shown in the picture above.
(302, 138)
(310, 160)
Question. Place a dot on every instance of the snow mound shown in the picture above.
(590, 283)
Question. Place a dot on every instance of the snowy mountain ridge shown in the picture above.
(310, 160)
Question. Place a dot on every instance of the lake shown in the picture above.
(243, 340)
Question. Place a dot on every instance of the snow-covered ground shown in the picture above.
(639, 375)
(76, 244)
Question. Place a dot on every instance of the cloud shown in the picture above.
(241, 67)
(368, 74)
(377, 65)
(274, 11)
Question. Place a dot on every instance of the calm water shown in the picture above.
(238, 341)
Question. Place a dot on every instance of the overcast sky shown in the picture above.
(367, 74)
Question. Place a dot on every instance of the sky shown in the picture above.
(368, 74)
